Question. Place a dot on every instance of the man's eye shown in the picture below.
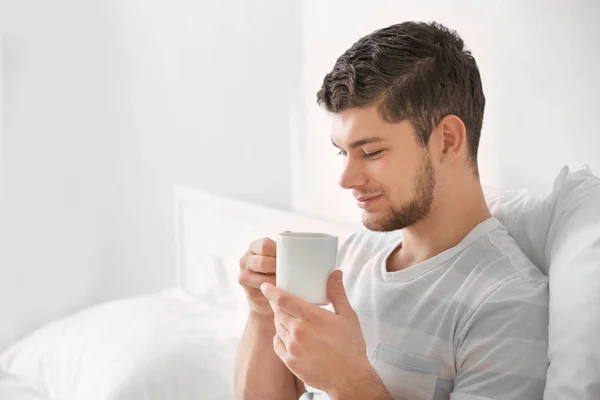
(341, 153)
(373, 154)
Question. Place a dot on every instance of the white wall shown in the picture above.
(539, 63)
(108, 105)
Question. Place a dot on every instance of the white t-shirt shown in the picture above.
(469, 323)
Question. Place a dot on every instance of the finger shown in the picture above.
(264, 247)
(254, 280)
(337, 294)
(279, 347)
(282, 331)
(285, 300)
(262, 264)
(284, 318)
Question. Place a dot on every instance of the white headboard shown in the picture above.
(213, 232)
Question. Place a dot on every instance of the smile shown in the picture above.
(366, 202)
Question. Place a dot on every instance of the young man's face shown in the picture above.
(389, 171)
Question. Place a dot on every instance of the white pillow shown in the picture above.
(526, 216)
(560, 232)
(13, 388)
(164, 346)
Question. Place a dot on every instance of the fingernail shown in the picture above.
(263, 287)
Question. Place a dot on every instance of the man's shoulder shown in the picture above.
(500, 271)
(506, 260)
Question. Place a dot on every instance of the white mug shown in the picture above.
(304, 263)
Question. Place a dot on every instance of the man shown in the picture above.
(441, 303)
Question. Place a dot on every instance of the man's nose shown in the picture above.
(351, 176)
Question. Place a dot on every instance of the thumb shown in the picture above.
(337, 294)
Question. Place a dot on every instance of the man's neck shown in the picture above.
(452, 217)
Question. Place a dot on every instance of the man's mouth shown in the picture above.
(367, 200)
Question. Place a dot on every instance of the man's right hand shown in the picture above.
(258, 266)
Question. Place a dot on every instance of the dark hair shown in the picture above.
(413, 71)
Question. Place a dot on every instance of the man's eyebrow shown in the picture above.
(361, 142)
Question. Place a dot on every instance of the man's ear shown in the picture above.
(450, 139)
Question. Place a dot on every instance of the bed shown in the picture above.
(176, 344)
(181, 343)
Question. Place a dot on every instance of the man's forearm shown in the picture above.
(366, 386)
(259, 373)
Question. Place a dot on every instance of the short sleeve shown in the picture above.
(501, 352)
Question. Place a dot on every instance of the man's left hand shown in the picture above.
(323, 349)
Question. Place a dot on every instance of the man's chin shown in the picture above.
(387, 222)
(377, 223)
